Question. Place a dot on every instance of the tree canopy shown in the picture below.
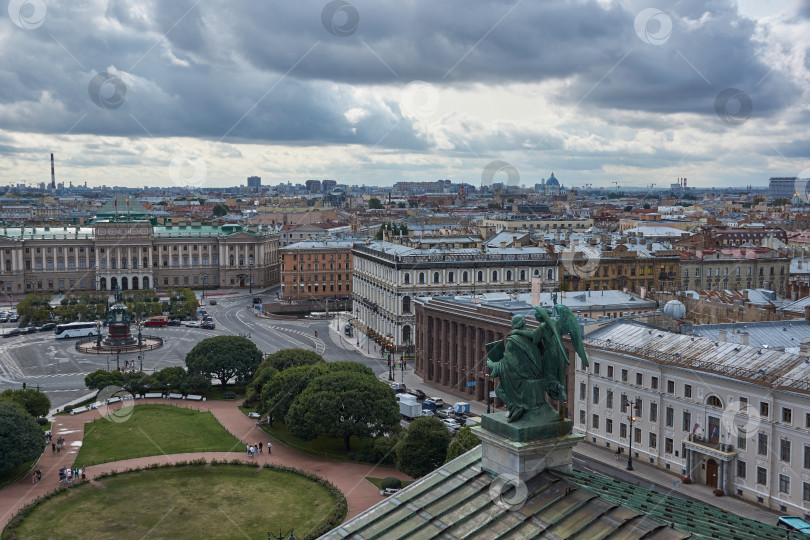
(287, 358)
(21, 438)
(341, 404)
(101, 378)
(424, 447)
(220, 210)
(253, 392)
(375, 204)
(224, 357)
(278, 394)
(32, 401)
(464, 441)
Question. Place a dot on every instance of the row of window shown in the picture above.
(465, 276)
(309, 267)
(738, 270)
(323, 256)
(322, 288)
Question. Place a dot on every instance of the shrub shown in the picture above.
(391, 483)
(229, 394)
(42, 421)
(68, 408)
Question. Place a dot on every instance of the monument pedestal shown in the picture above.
(525, 450)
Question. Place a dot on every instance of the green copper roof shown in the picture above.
(46, 233)
(454, 502)
(111, 209)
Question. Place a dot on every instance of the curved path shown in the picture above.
(348, 477)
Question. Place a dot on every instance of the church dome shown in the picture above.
(552, 181)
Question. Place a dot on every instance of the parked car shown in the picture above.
(429, 405)
(418, 393)
(438, 401)
(174, 322)
(31, 330)
(193, 324)
(3, 319)
(47, 327)
(253, 415)
(208, 318)
(12, 332)
(398, 389)
(451, 422)
(212, 302)
(427, 413)
(388, 491)
(208, 325)
(14, 318)
(440, 414)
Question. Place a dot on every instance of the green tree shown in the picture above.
(287, 358)
(343, 404)
(21, 438)
(170, 378)
(220, 210)
(101, 378)
(413, 203)
(138, 382)
(224, 357)
(464, 441)
(400, 205)
(375, 204)
(253, 392)
(424, 447)
(32, 401)
(195, 383)
(646, 206)
(279, 393)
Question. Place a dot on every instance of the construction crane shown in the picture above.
(588, 186)
(616, 183)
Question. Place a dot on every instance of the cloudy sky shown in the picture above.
(208, 92)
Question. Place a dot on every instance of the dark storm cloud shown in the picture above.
(207, 69)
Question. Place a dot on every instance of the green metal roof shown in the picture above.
(454, 502)
(46, 233)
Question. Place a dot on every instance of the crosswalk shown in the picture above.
(320, 346)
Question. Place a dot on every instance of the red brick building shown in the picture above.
(315, 270)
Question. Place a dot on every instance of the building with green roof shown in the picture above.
(124, 246)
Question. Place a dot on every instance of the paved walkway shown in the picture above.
(348, 477)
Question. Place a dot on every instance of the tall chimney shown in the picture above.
(744, 338)
(53, 175)
(723, 337)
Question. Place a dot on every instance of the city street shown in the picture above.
(54, 365)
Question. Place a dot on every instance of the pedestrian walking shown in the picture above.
(58, 448)
(269, 448)
(247, 449)
(84, 473)
(260, 448)
(53, 448)
(39, 475)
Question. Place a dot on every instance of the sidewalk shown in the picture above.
(359, 342)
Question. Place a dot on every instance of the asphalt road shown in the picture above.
(54, 365)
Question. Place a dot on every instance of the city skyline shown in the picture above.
(376, 93)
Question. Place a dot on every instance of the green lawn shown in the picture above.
(154, 430)
(324, 447)
(195, 501)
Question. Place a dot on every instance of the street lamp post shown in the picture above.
(632, 419)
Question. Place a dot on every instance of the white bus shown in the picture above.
(76, 329)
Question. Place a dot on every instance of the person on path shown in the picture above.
(269, 448)
(84, 473)
(53, 448)
(247, 449)
(58, 447)
(260, 448)
(39, 475)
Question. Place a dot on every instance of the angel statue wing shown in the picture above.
(543, 316)
(568, 324)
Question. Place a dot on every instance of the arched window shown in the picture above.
(451, 277)
(406, 304)
(480, 276)
(494, 275)
(508, 275)
(435, 277)
(407, 278)
(523, 275)
(714, 401)
(406, 334)
(465, 276)
(421, 277)
(550, 275)
(536, 272)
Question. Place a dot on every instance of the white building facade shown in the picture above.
(387, 277)
(734, 417)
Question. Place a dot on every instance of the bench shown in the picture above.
(79, 410)
(175, 396)
(194, 398)
(152, 395)
(115, 399)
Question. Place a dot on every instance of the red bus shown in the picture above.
(158, 320)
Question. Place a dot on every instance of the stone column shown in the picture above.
(44, 261)
(721, 480)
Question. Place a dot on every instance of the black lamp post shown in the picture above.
(632, 419)
(281, 536)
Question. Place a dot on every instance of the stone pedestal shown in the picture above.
(525, 459)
